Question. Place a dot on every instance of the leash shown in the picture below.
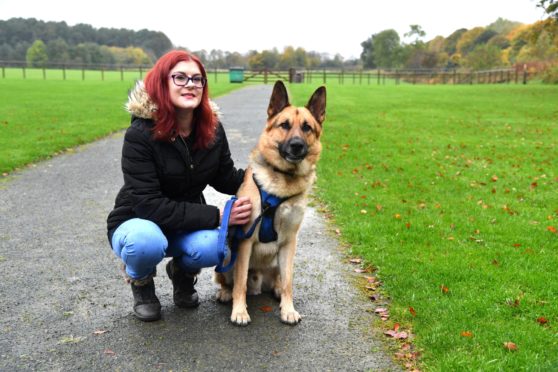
(237, 236)
(269, 204)
(267, 233)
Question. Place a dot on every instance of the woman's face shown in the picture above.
(188, 96)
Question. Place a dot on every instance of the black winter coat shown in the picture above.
(163, 181)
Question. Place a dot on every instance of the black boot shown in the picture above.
(184, 294)
(146, 304)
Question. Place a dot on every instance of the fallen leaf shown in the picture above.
(552, 229)
(70, 340)
(360, 270)
(510, 346)
(355, 260)
(542, 320)
(408, 225)
(109, 352)
(100, 332)
(397, 335)
(396, 327)
(494, 178)
(412, 311)
(266, 309)
(363, 211)
(467, 334)
(444, 289)
(379, 310)
(397, 216)
(337, 232)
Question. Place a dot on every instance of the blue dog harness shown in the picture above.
(267, 233)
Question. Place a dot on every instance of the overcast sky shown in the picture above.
(337, 26)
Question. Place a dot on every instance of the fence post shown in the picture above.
(102, 73)
(215, 74)
(121, 73)
(324, 75)
(44, 73)
(83, 73)
(141, 72)
(265, 76)
(3, 72)
(23, 70)
(64, 72)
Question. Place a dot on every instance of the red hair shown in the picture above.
(157, 87)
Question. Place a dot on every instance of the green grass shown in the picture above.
(452, 186)
(39, 118)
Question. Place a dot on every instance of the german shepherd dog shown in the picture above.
(283, 163)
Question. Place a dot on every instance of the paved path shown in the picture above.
(64, 306)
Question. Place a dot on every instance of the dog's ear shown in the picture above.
(317, 104)
(279, 99)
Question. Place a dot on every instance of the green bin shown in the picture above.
(236, 74)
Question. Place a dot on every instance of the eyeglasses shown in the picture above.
(181, 80)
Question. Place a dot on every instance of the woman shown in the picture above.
(174, 147)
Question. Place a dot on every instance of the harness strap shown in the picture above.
(267, 233)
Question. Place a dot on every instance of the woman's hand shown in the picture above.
(240, 212)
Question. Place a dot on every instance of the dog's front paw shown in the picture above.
(291, 317)
(240, 317)
(224, 295)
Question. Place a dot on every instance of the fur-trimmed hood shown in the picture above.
(140, 104)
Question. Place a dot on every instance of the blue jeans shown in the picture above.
(141, 244)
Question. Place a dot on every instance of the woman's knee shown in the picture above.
(140, 243)
(200, 249)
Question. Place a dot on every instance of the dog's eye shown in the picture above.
(285, 125)
(306, 128)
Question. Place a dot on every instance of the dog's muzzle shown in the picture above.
(294, 150)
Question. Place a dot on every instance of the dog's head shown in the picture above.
(292, 134)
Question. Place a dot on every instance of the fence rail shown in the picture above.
(19, 69)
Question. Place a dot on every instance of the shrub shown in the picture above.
(550, 75)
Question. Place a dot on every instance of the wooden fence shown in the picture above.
(18, 69)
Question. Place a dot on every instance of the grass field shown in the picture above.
(39, 118)
(450, 194)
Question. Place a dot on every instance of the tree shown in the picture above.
(367, 55)
(416, 31)
(503, 26)
(387, 47)
(550, 7)
(450, 45)
(58, 50)
(484, 57)
(36, 54)
(467, 42)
